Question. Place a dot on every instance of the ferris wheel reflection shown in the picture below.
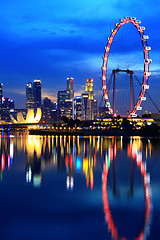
(136, 156)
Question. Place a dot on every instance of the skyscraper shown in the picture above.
(29, 96)
(89, 90)
(61, 97)
(7, 108)
(77, 108)
(37, 93)
(85, 106)
(70, 87)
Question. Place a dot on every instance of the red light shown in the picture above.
(3, 162)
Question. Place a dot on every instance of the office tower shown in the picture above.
(68, 108)
(48, 108)
(70, 87)
(85, 106)
(37, 93)
(61, 97)
(89, 90)
(7, 108)
(77, 108)
(29, 96)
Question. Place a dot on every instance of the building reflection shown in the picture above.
(6, 153)
(74, 155)
(84, 156)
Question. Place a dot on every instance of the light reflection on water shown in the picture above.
(121, 162)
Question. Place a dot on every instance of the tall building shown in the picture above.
(29, 96)
(61, 97)
(48, 108)
(37, 93)
(7, 108)
(70, 87)
(89, 90)
(77, 108)
(65, 100)
(68, 108)
(85, 106)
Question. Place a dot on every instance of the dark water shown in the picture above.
(79, 188)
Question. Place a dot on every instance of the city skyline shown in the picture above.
(39, 40)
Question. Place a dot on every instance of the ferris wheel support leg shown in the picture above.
(114, 91)
(131, 89)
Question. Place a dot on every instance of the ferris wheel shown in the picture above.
(134, 105)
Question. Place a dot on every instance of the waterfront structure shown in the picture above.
(37, 93)
(77, 108)
(29, 96)
(30, 118)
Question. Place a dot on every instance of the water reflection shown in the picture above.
(133, 151)
(70, 154)
(84, 156)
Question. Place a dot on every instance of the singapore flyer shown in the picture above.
(112, 67)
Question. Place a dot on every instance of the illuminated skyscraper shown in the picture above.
(7, 108)
(89, 90)
(85, 106)
(29, 96)
(61, 97)
(70, 87)
(37, 93)
(77, 108)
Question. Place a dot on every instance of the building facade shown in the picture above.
(85, 106)
(29, 96)
(70, 87)
(37, 93)
(77, 108)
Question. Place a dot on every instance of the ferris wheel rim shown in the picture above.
(147, 61)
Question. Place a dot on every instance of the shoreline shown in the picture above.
(126, 133)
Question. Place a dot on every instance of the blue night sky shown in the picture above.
(55, 39)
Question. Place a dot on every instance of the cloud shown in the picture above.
(17, 91)
(56, 39)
